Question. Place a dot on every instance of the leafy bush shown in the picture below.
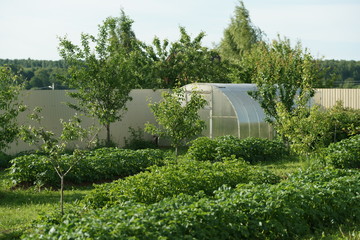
(228, 146)
(288, 210)
(250, 149)
(203, 149)
(309, 130)
(344, 154)
(98, 165)
(185, 177)
(263, 150)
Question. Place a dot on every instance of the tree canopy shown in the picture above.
(104, 74)
(240, 35)
(282, 74)
(184, 61)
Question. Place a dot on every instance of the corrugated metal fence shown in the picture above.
(54, 108)
(327, 97)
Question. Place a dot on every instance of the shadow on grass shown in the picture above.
(10, 235)
(28, 196)
(23, 197)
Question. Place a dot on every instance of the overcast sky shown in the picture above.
(30, 29)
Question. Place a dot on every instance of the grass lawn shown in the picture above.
(18, 208)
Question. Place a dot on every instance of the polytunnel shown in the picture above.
(230, 110)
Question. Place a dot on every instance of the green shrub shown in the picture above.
(309, 130)
(98, 165)
(250, 149)
(185, 177)
(203, 149)
(228, 146)
(263, 150)
(344, 154)
(288, 210)
(32, 169)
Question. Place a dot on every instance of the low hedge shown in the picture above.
(102, 164)
(187, 177)
(251, 149)
(344, 154)
(288, 210)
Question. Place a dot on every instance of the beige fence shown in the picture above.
(328, 97)
(54, 108)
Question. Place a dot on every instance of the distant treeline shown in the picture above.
(340, 74)
(41, 74)
(38, 74)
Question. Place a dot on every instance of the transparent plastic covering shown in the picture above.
(231, 111)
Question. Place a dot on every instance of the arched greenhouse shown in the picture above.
(231, 111)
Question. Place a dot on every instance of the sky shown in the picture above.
(329, 29)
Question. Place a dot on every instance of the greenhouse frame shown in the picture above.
(231, 110)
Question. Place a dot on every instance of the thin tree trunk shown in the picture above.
(108, 138)
(62, 195)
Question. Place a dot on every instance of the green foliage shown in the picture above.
(104, 75)
(344, 154)
(239, 36)
(182, 62)
(282, 74)
(9, 107)
(177, 116)
(307, 202)
(187, 177)
(252, 150)
(306, 130)
(310, 130)
(33, 169)
(102, 164)
(203, 149)
(345, 121)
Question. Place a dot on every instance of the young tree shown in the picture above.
(282, 74)
(177, 116)
(9, 107)
(105, 74)
(54, 146)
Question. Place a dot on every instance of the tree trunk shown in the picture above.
(108, 135)
(62, 195)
